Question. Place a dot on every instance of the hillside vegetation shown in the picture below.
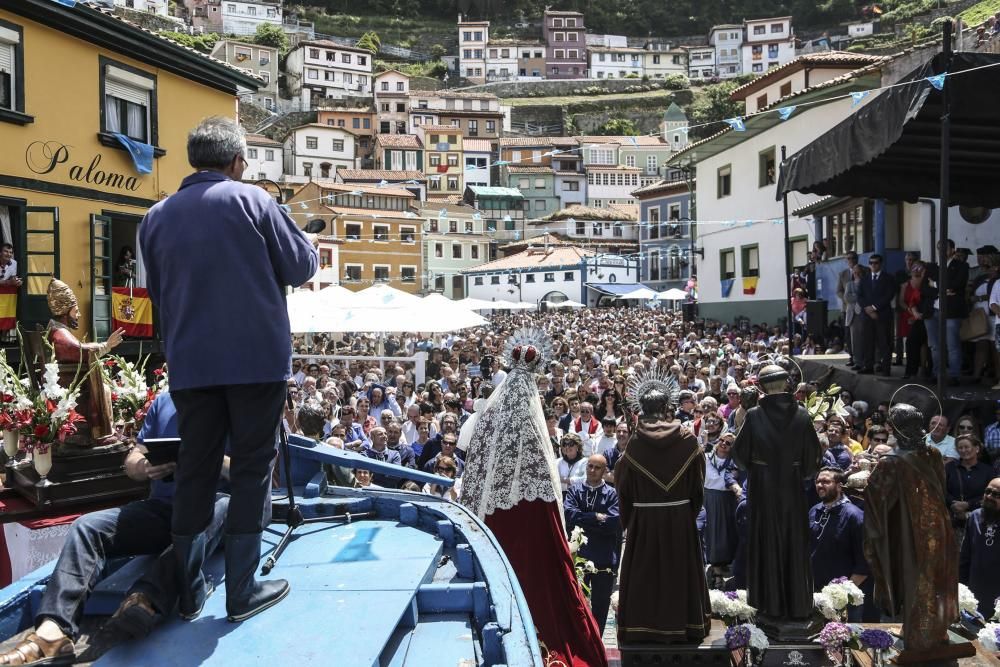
(626, 17)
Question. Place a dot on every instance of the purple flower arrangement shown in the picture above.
(876, 639)
(737, 636)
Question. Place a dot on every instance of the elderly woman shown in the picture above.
(966, 479)
(446, 467)
(713, 427)
(853, 319)
(723, 490)
(572, 462)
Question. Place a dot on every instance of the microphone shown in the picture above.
(315, 226)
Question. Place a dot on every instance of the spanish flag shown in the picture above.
(8, 307)
(750, 285)
(132, 311)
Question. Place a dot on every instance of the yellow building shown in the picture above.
(71, 197)
(443, 161)
(381, 233)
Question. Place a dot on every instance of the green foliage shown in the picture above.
(272, 35)
(714, 104)
(434, 69)
(370, 42)
(438, 51)
(977, 14)
(617, 127)
(203, 43)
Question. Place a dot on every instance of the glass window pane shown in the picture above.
(40, 243)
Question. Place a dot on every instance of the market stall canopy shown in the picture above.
(672, 294)
(307, 312)
(381, 295)
(564, 304)
(640, 293)
(335, 296)
(513, 305)
(476, 304)
(620, 289)
(891, 147)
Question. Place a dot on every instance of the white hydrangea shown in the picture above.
(967, 602)
(758, 640)
(842, 593)
(823, 604)
(988, 637)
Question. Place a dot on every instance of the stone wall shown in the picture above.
(150, 21)
(594, 87)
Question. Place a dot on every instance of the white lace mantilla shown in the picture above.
(510, 455)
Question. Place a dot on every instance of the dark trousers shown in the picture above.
(877, 343)
(915, 342)
(601, 584)
(138, 528)
(247, 417)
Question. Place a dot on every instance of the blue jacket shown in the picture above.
(218, 256)
(603, 539)
(160, 422)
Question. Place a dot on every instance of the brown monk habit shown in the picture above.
(661, 482)
(910, 545)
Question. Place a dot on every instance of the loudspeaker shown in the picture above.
(816, 319)
(689, 311)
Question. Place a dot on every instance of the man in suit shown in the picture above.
(843, 279)
(954, 310)
(875, 296)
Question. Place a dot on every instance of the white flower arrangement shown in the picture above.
(614, 602)
(967, 602)
(996, 610)
(842, 592)
(989, 637)
(731, 606)
(576, 539)
(823, 605)
(50, 383)
(758, 640)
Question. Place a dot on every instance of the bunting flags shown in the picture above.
(8, 307)
(750, 285)
(727, 286)
(857, 96)
(736, 124)
(132, 310)
(786, 112)
(937, 81)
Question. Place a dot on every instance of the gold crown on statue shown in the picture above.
(60, 297)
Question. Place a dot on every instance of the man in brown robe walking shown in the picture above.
(660, 480)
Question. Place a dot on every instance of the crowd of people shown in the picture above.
(887, 314)
(376, 407)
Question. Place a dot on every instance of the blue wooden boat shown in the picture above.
(407, 580)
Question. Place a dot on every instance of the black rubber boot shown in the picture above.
(246, 596)
(192, 589)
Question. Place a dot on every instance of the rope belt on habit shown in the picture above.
(671, 504)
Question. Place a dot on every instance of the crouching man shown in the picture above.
(139, 528)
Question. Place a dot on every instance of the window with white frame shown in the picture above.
(651, 164)
(352, 272)
(129, 96)
(338, 146)
(352, 230)
(456, 251)
(408, 274)
(252, 153)
(630, 160)
(312, 143)
(381, 273)
(408, 234)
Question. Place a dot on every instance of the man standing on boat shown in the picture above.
(219, 255)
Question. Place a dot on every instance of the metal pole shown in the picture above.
(788, 266)
(945, 197)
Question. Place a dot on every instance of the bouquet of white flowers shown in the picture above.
(967, 602)
(824, 606)
(843, 592)
(989, 637)
(731, 606)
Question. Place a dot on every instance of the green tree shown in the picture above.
(269, 34)
(618, 127)
(712, 104)
(437, 51)
(370, 42)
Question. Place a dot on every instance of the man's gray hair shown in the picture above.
(215, 142)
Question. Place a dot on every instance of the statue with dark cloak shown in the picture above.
(777, 445)
(909, 542)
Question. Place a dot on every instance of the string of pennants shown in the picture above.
(736, 123)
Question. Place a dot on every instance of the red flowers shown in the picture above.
(109, 363)
(158, 372)
(114, 396)
(8, 398)
(41, 430)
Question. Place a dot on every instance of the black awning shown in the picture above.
(891, 147)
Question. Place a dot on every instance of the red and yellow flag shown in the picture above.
(132, 311)
(8, 307)
(750, 285)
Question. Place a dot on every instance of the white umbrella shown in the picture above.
(476, 304)
(672, 294)
(513, 305)
(307, 313)
(564, 304)
(336, 295)
(407, 318)
(639, 293)
(381, 295)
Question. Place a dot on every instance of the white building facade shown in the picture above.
(473, 36)
(265, 158)
(616, 62)
(727, 41)
(318, 151)
(325, 69)
(242, 18)
(455, 239)
(767, 43)
(701, 63)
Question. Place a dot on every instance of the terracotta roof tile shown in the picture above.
(529, 169)
(393, 176)
(399, 141)
(537, 257)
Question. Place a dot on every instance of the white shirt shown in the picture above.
(9, 271)
(576, 472)
(498, 377)
(946, 446)
(606, 442)
(589, 441)
(410, 432)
